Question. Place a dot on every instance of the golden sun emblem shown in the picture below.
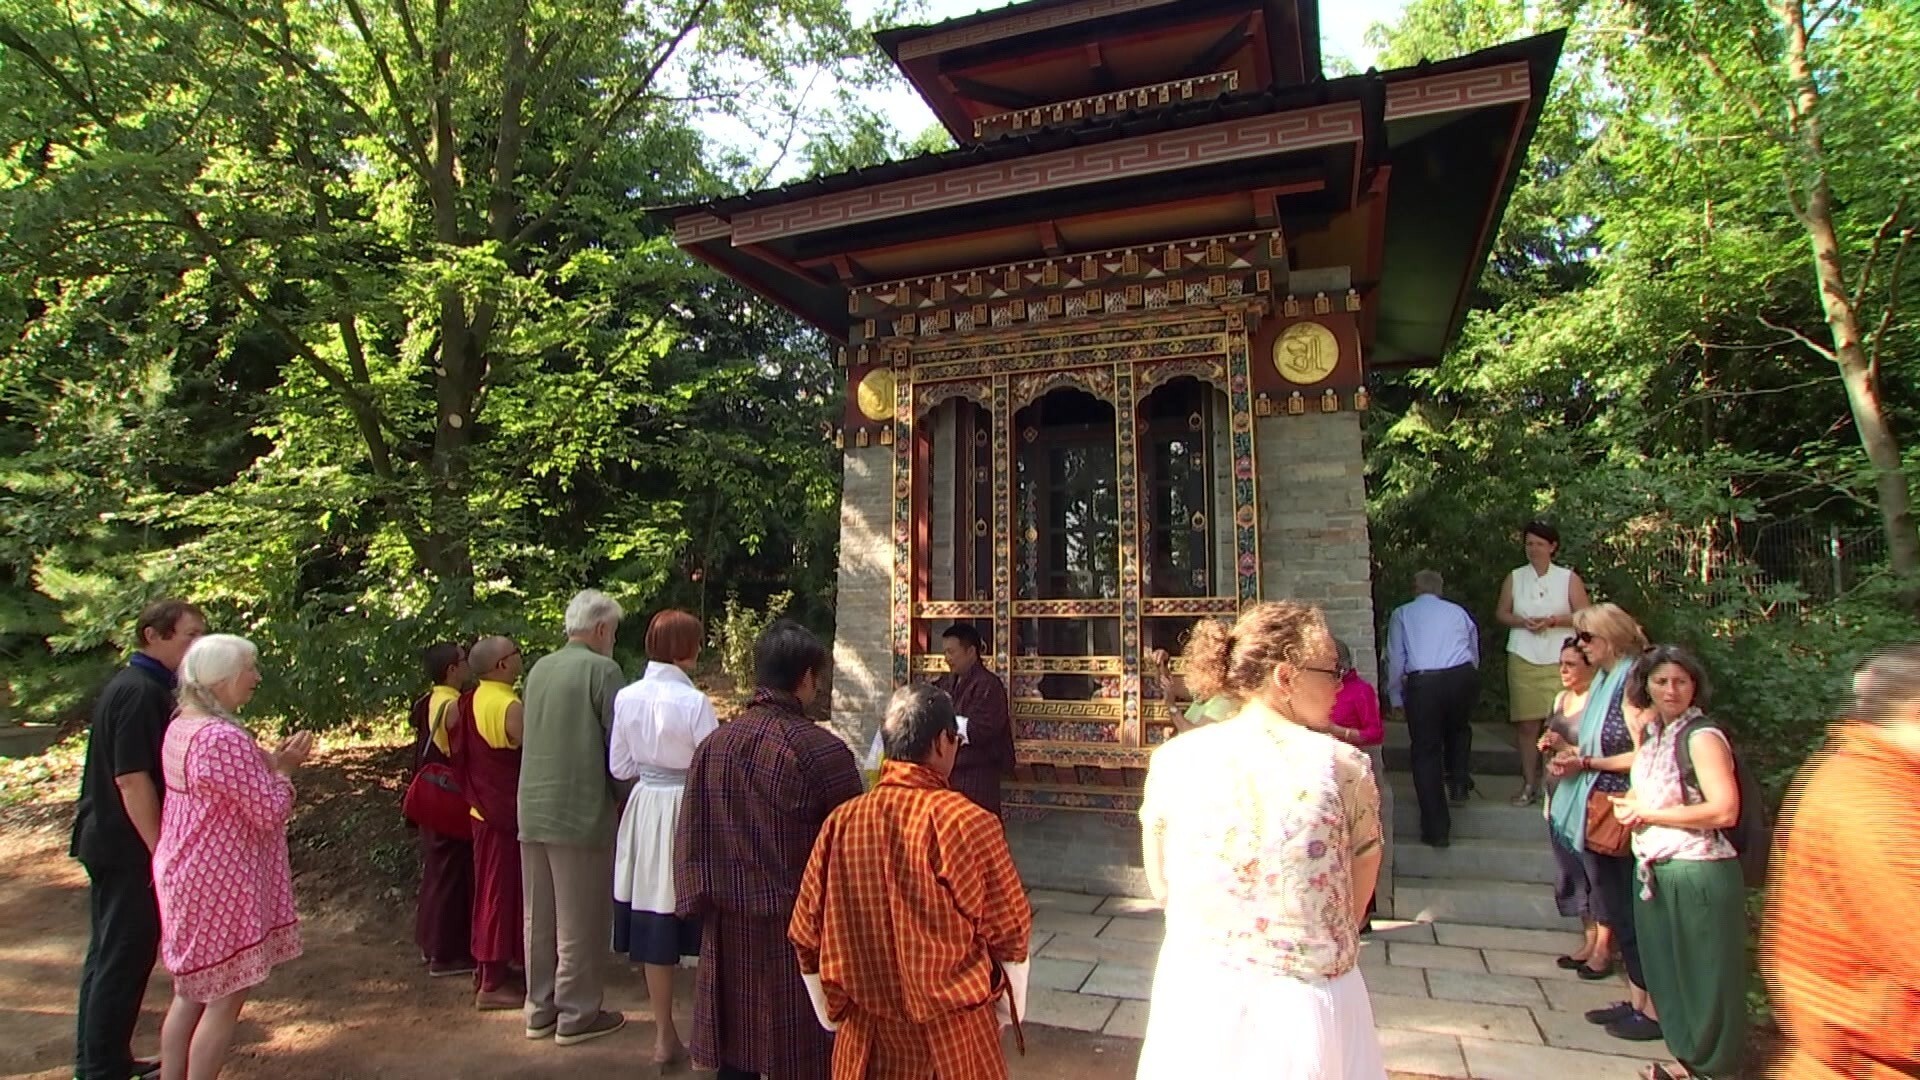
(1306, 353)
(874, 395)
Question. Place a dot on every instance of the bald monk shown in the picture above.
(485, 732)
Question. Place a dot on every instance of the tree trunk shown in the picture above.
(1857, 372)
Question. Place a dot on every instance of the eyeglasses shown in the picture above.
(1584, 637)
(1337, 671)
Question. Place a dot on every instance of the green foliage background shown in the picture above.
(349, 322)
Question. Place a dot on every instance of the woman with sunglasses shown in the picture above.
(1599, 761)
(1573, 889)
(1261, 834)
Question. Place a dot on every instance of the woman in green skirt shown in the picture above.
(1689, 909)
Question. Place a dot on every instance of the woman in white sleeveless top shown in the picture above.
(1537, 601)
(657, 722)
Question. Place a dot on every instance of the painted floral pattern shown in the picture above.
(1258, 827)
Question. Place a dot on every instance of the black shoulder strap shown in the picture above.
(1683, 750)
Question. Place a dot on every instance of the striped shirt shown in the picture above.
(909, 905)
(1841, 945)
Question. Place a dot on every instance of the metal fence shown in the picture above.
(1790, 561)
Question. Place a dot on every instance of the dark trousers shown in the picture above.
(1439, 729)
(1617, 881)
(728, 1072)
(113, 981)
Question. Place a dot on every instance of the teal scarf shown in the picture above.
(1570, 798)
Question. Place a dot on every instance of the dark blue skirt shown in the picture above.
(648, 937)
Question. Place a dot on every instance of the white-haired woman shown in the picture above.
(220, 871)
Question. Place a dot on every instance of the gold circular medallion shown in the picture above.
(1306, 353)
(874, 395)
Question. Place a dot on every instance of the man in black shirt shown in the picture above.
(115, 829)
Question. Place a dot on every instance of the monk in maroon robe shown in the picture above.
(485, 731)
(980, 696)
(443, 918)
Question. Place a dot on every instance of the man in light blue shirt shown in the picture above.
(1433, 674)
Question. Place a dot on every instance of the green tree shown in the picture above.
(422, 202)
(350, 321)
(1818, 101)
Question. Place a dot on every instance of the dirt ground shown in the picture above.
(358, 1005)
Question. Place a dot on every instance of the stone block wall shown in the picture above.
(863, 614)
(1313, 523)
(1314, 546)
(1079, 852)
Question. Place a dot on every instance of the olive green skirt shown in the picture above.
(1531, 689)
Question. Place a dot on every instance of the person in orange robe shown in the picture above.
(911, 925)
(1839, 948)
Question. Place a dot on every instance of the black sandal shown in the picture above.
(1568, 963)
(1593, 975)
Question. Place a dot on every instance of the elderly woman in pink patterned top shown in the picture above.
(220, 871)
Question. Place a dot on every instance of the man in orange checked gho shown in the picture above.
(1839, 950)
(911, 924)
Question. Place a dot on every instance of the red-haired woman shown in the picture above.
(657, 722)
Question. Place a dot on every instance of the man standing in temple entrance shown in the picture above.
(986, 747)
(912, 926)
(483, 732)
(757, 793)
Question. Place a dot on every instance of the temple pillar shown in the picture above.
(862, 645)
(1314, 547)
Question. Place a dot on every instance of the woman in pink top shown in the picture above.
(1355, 719)
(221, 872)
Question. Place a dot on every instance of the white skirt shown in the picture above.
(1207, 1020)
(643, 852)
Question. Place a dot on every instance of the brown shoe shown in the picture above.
(605, 1024)
(498, 1000)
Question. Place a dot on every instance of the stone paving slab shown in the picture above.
(1127, 905)
(1403, 981)
(1490, 1060)
(1076, 1012)
(1417, 933)
(1052, 974)
(1136, 928)
(1450, 1002)
(1570, 1031)
(1551, 942)
(1423, 1053)
(1068, 922)
(1120, 981)
(1129, 1021)
(1464, 1019)
(1567, 995)
(1531, 965)
(1102, 950)
(1076, 903)
(1485, 989)
(1408, 954)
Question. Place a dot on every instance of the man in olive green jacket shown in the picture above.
(568, 814)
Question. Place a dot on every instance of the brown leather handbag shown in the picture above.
(1605, 834)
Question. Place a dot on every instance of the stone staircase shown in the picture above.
(1499, 870)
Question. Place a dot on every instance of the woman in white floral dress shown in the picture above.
(1262, 837)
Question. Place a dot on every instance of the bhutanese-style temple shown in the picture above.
(1106, 360)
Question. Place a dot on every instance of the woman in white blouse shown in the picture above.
(657, 722)
(1537, 602)
(1261, 834)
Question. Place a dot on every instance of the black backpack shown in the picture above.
(1752, 835)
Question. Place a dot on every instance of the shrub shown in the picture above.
(738, 629)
